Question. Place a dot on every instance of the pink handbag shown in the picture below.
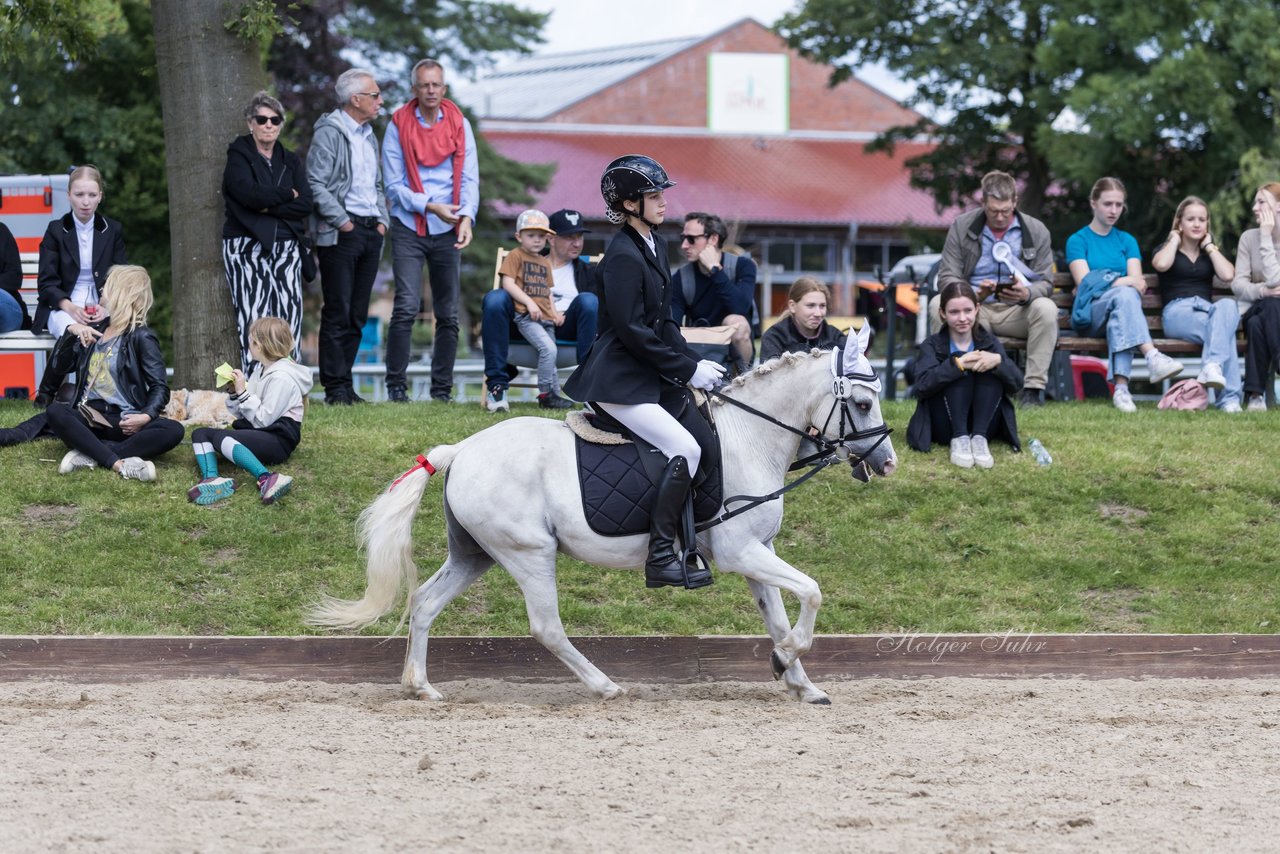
(1185, 394)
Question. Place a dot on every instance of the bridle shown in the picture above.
(830, 451)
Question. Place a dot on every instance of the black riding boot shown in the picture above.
(666, 566)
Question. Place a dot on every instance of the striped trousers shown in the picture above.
(264, 286)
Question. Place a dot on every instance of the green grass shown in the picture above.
(1156, 522)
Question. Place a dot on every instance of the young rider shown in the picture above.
(639, 367)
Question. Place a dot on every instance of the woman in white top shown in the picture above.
(1257, 287)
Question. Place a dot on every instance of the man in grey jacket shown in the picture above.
(350, 221)
(1013, 293)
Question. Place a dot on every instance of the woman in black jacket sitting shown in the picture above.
(267, 198)
(76, 253)
(121, 387)
(804, 325)
(963, 382)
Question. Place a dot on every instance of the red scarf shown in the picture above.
(429, 146)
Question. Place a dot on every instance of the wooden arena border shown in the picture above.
(644, 659)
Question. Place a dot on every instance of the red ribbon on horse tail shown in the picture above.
(421, 463)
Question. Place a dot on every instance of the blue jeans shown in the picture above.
(1117, 313)
(409, 253)
(498, 312)
(10, 312)
(1213, 326)
(540, 333)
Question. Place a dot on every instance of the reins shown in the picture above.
(829, 452)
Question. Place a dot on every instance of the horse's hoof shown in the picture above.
(820, 701)
(612, 692)
(775, 661)
(427, 693)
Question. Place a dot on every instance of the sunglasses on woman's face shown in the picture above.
(275, 120)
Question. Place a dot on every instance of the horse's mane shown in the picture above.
(785, 360)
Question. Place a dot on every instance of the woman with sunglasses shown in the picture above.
(267, 199)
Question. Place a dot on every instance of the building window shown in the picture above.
(780, 253)
(801, 256)
(816, 257)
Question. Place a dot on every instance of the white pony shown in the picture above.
(513, 498)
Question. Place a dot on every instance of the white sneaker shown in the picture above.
(495, 400)
(1211, 376)
(981, 453)
(1232, 406)
(75, 460)
(1123, 400)
(1257, 403)
(1161, 367)
(962, 452)
(136, 468)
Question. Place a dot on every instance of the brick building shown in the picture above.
(747, 127)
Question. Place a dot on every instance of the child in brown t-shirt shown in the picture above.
(526, 275)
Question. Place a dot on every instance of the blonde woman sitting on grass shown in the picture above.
(121, 386)
(268, 406)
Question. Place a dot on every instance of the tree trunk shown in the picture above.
(207, 75)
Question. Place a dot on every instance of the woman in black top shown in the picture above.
(963, 381)
(267, 198)
(76, 254)
(1187, 263)
(639, 365)
(117, 420)
(804, 326)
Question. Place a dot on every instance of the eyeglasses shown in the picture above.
(691, 238)
(275, 120)
(377, 95)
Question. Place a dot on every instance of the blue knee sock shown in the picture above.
(243, 457)
(206, 459)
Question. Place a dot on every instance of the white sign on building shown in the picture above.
(748, 93)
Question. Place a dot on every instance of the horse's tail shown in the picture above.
(385, 531)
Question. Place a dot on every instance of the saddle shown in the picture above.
(618, 472)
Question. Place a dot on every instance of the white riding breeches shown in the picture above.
(659, 428)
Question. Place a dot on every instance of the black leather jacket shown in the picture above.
(140, 372)
(60, 261)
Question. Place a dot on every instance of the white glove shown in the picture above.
(707, 375)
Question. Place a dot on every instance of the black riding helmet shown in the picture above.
(630, 177)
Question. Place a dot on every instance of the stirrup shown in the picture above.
(697, 572)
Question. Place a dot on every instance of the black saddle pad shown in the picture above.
(617, 490)
(619, 482)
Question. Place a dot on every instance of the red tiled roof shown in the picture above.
(757, 180)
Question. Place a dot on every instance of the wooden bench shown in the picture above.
(14, 346)
(1152, 305)
(22, 340)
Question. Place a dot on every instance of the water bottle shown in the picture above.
(1040, 453)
